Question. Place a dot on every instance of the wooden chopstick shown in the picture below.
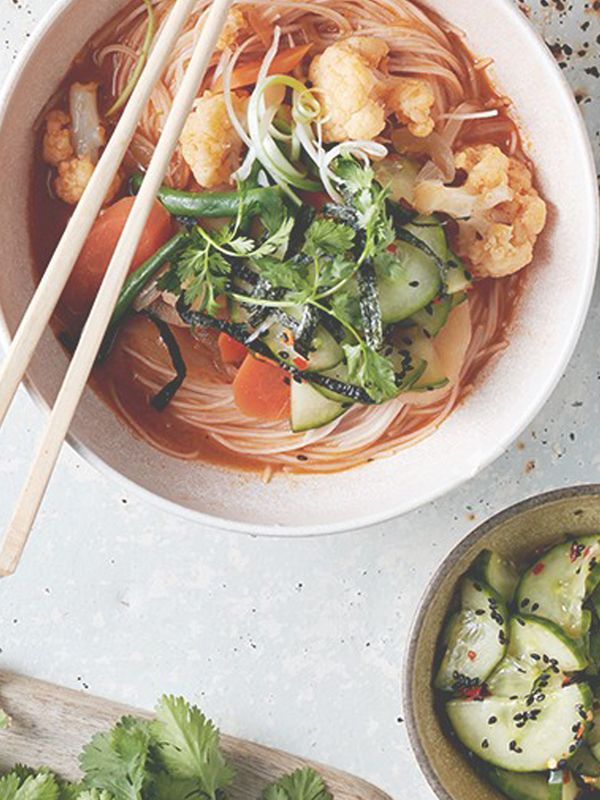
(50, 288)
(82, 362)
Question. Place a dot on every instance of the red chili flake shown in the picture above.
(587, 551)
(392, 248)
(575, 552)
(288, 337)
(580, 732)
(471, 655)
(566, 681)
(566, 777)
(539, 568)
(300, 362)
(474, 692)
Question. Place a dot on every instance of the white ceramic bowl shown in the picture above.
(507, 396)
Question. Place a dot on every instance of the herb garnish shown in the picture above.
(176, 756)
(320, 271)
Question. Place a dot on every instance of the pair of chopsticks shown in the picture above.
(55, 278)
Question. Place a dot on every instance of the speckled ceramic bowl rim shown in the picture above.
(377, 516)
(439, 577)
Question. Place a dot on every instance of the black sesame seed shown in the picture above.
(485, 744)
(492, 720)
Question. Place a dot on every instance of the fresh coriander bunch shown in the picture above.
(175, 756)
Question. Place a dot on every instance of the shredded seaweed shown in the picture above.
(241, 332)
(161, 400)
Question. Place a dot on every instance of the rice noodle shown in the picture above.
(421, 44)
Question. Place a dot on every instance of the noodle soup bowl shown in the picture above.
(546, 327)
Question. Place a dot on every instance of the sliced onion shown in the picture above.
(88, 133)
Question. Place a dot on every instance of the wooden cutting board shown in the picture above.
(51, 724)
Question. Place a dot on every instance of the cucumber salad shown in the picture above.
(519, 671)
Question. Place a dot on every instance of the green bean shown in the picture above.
(211, 204)
(134, 285)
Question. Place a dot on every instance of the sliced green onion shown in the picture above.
(260, 119)
(143, 56)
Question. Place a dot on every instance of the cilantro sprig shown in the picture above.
(303, 784)
(176, 756)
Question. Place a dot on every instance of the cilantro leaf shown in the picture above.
(189, 745)
(372, 371)
(40, 786)
(368, 198)
(327, 237)
(92, 794)
(291, 274)
(333, 271)
(303, 784)
(9, 785)
(277, 242)
(346, 308)
(242, 245)
(202, 272)
(166, 787)
(390, 265)
(115, 761)
(4, 720)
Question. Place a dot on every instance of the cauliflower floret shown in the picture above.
(412, 99)
(235, 24)
(357, 97)
(57, 145)
(209, 143)
(500, 214)
(350, 91)
(60, 150)
(73, 176)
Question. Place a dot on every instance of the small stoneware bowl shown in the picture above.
(516, 533)
(506, 397)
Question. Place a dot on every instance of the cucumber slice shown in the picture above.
(539, 654)
(534, 785)
(434, 316)
(475, 638)
(325, 352)
(420, 282)
(499, 573)
(457, 278)
(519, 786)
(310, 409)
(595, 602)
(593, 667)
(421, 348)
(586, 766)
(593, 738)
(558, 584)
(522, 735)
